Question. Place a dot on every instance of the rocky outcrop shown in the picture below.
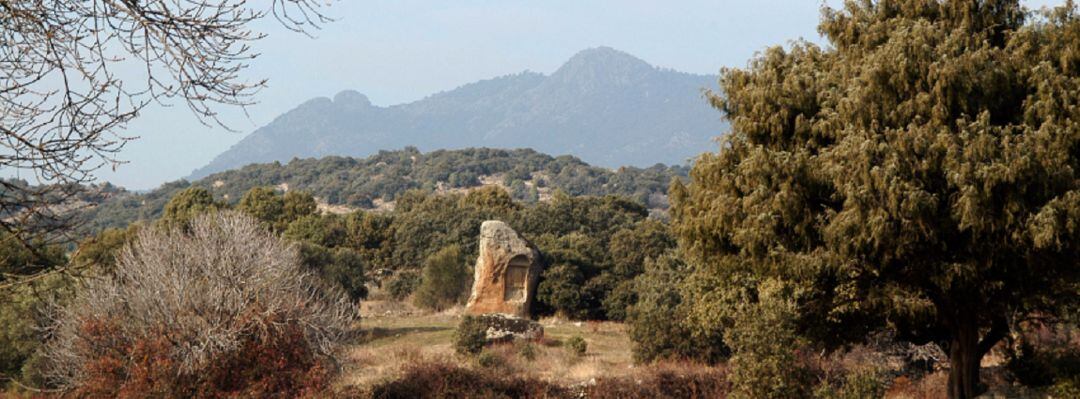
(506, 272)
(502, 328)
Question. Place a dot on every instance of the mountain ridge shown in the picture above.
(603, 105)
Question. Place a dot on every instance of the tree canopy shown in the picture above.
(918, 174)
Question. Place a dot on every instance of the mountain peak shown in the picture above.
(605, 53)
(599, 61)
(603, 105)
(351, 97)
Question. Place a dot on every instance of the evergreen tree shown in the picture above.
(186, 205)
(920, 173)
(445, 280)
(264, 204)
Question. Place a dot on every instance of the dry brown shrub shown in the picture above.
(438, 379)
(665, 380)
(932, 386)
(221, 306)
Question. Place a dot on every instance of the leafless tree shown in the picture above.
(201, 287)
(74, 72)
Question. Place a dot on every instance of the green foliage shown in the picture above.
(17, 259)
(630, 250)
(618, 302)
(276, 211)
(186, 205)
(297, 204)
(1066, 388)
(403, 284)
(527, 351)
(388, 175)
(341, 267)
(658, 320)
(445, 280)
(491, 198)
(561, 289)
(920, 169)
(601, 241)
(100, 251)
(631, 247)
(117, 208)
(264, 204)
(18, 336)
(371, 235)
(22, 306)
(470, 336)
(763, 342)
(576, 345)
(326, 230)
(856, 384)
(488, 359)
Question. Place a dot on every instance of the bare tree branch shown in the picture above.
(67, 91)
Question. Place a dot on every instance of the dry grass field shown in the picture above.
(396, 335)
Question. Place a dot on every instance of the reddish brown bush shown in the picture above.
(221, 309)
(665, 381)
(932, 386)
(446, 380)
(282, 366)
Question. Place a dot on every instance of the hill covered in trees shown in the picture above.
(344, 183)
(604, 106)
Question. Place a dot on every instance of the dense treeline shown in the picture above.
(388, 175)
(594, 246)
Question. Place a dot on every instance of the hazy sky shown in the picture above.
(397, 51)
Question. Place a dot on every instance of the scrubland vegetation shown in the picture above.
(894, 215)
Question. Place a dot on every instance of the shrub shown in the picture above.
(445, 280)
(340, 267)
(561, 289)
(856, 384)
(1045, 354)
(528, 351)
(22, 305)
(657, 322)
(449, 381)
(764, 363)
(18, 338)
(689, 381)
(219, 308)
(470, 336)
(402, 285)
(488, 359)
(1066, 388)
(186, 205)
(576, 345)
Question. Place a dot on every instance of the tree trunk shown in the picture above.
(966, 352)
(964, 359)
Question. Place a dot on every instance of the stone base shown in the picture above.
(502, 327)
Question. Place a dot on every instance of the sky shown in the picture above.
(398, 51)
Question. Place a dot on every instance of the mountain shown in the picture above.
(604, 106)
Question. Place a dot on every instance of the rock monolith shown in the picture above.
(506, 272)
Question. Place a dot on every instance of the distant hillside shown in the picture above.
(603, 106)
(343, 184)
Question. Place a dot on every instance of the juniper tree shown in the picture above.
(919, 173)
